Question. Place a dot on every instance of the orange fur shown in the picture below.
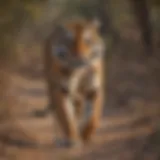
(69, 86)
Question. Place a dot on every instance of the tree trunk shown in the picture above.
(103, 12)
(142, 15)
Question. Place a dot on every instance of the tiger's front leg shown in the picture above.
(67, 119)
(93, 120)
(94, 106)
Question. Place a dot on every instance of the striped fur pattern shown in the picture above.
(75, 51)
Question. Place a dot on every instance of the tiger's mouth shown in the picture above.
(84, 62)
(78, 63)
(71, 66)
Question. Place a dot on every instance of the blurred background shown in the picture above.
(130, 129)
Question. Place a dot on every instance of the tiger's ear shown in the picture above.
(96, 22)
(61, 29)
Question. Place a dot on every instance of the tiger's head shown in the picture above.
(76, 44)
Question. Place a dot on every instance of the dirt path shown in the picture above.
(117, 137)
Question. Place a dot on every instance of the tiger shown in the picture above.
(74, 72)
